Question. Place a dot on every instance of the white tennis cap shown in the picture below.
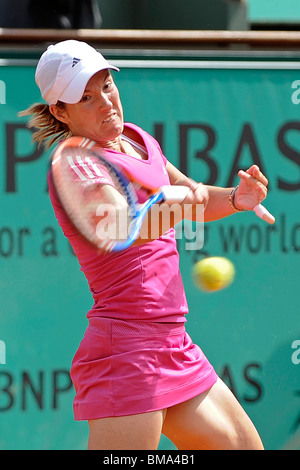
(65, 68)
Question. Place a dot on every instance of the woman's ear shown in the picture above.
(59, 112)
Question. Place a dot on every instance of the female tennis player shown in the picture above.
(137, 373)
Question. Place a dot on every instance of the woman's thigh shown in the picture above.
(136, 432)
(213, 420)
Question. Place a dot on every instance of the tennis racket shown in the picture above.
(107, 214)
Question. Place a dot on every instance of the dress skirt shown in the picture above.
(123, 368)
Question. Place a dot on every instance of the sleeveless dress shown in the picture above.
(136, 355)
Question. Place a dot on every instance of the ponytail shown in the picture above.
(47, 130)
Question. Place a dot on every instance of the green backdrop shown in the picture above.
(274, 11)
(211, 119)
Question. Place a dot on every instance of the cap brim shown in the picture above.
(74, 91)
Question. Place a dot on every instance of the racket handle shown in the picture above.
(264, 214)
(174, 193)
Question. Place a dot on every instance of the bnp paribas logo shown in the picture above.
(2, 92)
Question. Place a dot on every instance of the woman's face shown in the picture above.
(99, 113)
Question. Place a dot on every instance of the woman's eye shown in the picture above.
(85, 98)
(107, 85)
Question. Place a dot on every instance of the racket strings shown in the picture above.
(101, 203)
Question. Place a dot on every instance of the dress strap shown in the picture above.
(142, 148)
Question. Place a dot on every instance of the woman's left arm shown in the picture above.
(220, 202)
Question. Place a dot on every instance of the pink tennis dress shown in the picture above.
(136, 355)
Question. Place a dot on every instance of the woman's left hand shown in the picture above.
(252, 188)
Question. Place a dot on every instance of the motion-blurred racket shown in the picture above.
(99, 197)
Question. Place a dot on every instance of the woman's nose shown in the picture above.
(105, 102)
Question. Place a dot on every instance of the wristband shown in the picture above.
(231, 200)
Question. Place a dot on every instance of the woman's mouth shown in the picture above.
(110, 118)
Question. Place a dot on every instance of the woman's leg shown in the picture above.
(212, 421)
(136, 432)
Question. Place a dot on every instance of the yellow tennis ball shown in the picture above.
(213, 273)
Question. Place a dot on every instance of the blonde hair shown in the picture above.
(47, 130)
